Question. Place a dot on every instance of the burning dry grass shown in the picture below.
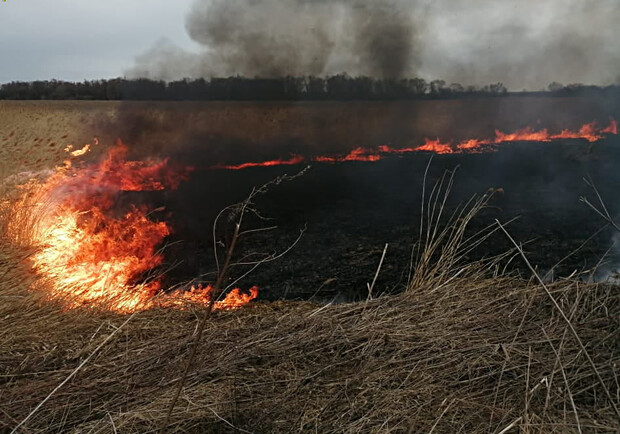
(458, 352)
(476, 356)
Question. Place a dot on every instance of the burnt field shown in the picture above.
(349, 210)
(231, 132)
(100, 244)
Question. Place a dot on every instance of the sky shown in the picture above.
(526, 44)
(84, 39)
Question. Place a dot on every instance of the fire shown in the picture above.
(91, 254)
(357, 154)
(590, 132)
(473, 146)
(234, 299)
(295, 159)
(389, 150)
(612, 128)
(436, 146)
(80, 152)
(361, 154)
(525, 135)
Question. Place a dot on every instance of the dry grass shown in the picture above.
(458, 352)
(266, 130)
(33, 134)
(444, 246)
(465, 350)
(472, 357)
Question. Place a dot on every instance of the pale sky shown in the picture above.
(84, 39)
(522, 43)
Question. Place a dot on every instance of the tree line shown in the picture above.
(337, 87)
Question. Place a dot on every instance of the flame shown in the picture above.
(524, 135)
(389, 150)
(150, 175)
(590, 132)
(361, 154)
(436, 146)
(295, 159)
(80, 152)
(473, 146)
(612, 128)
(234, 299)
(93, 255)
(357, 154)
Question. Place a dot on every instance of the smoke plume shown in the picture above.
(275, 38)
(522, 43)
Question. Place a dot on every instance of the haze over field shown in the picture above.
(522, 43)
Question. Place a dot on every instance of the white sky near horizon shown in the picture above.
(84, 39)
(524, 43)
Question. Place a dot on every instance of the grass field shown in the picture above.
(464, 350)
(226, 130)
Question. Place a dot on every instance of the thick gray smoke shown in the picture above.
(522, 43)
(264, 38)
(274, 38)
(385, 38)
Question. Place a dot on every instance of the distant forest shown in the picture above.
(338, 87)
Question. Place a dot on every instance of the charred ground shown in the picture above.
(350, 210)
(475, 355)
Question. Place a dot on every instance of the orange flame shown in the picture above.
(612, 128)
(589, 132)
(473, 146)
(95, 256)
(92, 255)
(525, 135)
(436, 146)
(389, 150)
(80, 152)
(234, 299)
(357, 154)
(295, 159)
(361, 154)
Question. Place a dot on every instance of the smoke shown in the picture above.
(275, 38)
(385, 39)
(263, 38)
(522, 43)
